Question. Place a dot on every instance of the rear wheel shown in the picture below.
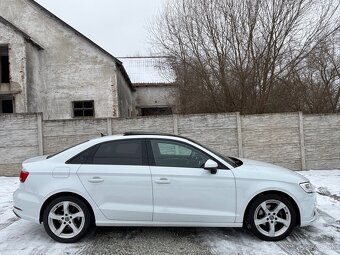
(67, 219)
(272, 217)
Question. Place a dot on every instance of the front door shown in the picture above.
(184, 191)
(118, 179)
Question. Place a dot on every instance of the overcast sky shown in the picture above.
(119, 26)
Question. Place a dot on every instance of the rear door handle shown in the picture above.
(163, 181)
(96, 180)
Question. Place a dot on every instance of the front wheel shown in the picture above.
(272, 217)
(67, 219)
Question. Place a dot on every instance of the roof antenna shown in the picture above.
(102, 135)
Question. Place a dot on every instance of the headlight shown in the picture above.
(307, 186)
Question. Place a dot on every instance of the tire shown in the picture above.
(272, 217)
(67, 219)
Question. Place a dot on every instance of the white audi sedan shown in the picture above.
(139, 179)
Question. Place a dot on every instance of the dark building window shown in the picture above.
(83, 109)
(152, 111)
(6, 104)
(4, 64)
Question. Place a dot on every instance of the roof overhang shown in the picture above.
(118, 62)
(22, 33)
(144, 85)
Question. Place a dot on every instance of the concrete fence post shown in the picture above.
(40, 134)
(109, 126)
(239, 135)
(175, 120)
(302, 142)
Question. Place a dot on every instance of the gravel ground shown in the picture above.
(145, 241)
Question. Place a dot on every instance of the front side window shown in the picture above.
(83, 109)
(125, 152)
(176, 154)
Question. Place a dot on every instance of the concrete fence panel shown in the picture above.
(217, 131)
(322, 140)
(148, 124)
(292, 140)
(58, 135)
(273, 138)
(18, 141)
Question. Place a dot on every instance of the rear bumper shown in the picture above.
(26, 206)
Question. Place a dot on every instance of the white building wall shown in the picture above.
(69, 68)
(157, 96)
(17, 57)
(126, 98)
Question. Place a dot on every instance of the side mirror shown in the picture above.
(211, 166)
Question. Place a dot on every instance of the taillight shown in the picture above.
(23, 176)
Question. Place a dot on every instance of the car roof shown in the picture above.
(141, 134)
(163, 135)
(151, 134)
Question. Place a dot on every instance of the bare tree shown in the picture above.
(317, 79)
(237, 55)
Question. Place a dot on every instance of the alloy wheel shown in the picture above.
(272, 218)
(66, 219)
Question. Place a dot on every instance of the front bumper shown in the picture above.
(26, 206)
(311, 220)
(308, 210)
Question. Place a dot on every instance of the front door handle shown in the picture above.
(163, 181)
(96, 180)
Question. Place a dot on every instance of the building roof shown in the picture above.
(150, 70)
(118, 62)
(22, 33)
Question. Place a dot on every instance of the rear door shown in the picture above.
(183, 190)
(118, 179)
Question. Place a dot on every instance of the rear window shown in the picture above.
(83, 157)
(51, 156)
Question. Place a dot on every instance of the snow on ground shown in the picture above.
(322, 237)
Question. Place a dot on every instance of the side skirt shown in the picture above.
(165, 224)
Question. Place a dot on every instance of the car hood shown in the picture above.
(266, 171)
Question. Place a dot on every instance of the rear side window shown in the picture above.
(83, 157)
(123, 152)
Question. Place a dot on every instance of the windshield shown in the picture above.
(234, 162)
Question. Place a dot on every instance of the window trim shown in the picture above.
(152, 161)
(94, 148)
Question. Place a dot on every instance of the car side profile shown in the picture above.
(137, 179)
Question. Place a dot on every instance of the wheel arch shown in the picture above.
(287, 196)
(60, 194)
